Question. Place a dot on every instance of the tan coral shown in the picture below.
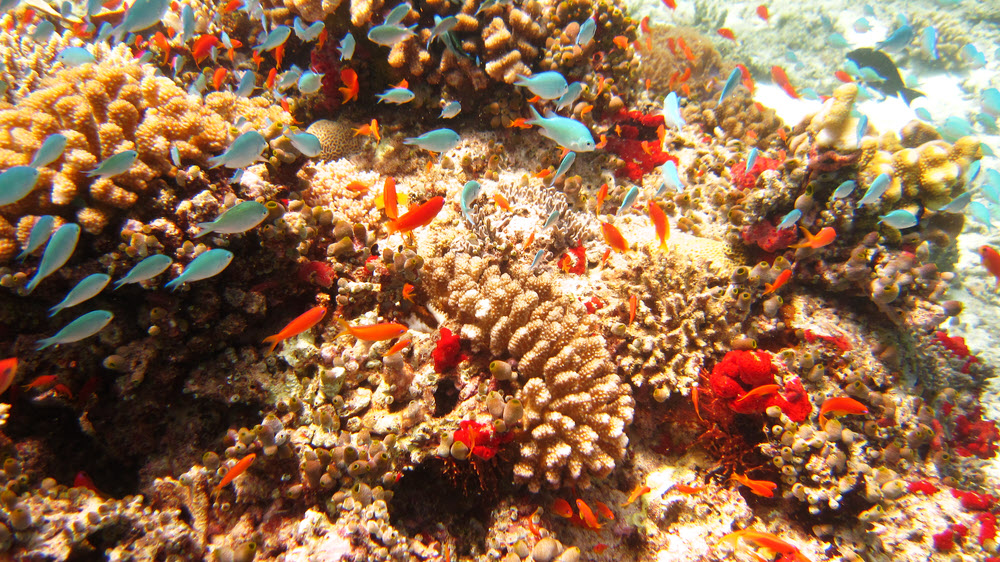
(833, 127)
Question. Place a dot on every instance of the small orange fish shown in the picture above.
(321, 40)
(747, 78)
(843, 76)
(219, 77)
(762, 488)
(638, 491)
(374, 332)
(587, 108)
(601, 195)
(600, 547)
(369, 130)
(633, 304)
(279, 54)
(160, 40)
(644, 25)
(603, 143)
(8, 368)
(787, 552)
(63, 390)
(990, 259)
(203, 46)
(587, 515)
(300, 324)
(621, 42)
(672, 4)
(270, 78)
(646, 147)
(408, 291)
(685, 49)
(762, 12)
(351, 88)
(501, 201)
(543, 174)
(604, 258)
(604, 510)
(417, 216)
(660, 223)
(535, 99)
(527, 243)
(520, 123)
(390, 201)
(822, 238)
(42, 381)
(727, 33)
(399, 346)
(232, 5)
(357, 186)
(613, 237)
(257, 59)
(840, 405)
(781, 79)
(762, 390)
(694, 400)
(783, 278)
(232, 473)
(685, 489)
(562, 508)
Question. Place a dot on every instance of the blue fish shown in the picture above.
(566, 132)
(40, 233)
(470, 191)
(992, 176)
(50, 151)
(93, 8)
(868, 10)
(388, 35)
(441, 26)
(114, 165)
(789, 220)
(307, 34)
(548, 85)
(862, 128)
(988, 122)
(837, 40)
(587, 30)
(275, 38)
(630, 196)
(438, 140)
(207, 264)
(288, 78)
(83, 327)
(451, 109)
(899, 219)
(564, 166)
(248, 83)
(346, 48)
(103, 32)
(928, 42)
(145, 270)
(551, 220)
(670, 177)
(923, 114)
(244, 151)
(238, 219)
(17, 182)
(861, 25)
(573, 92)
(672, 112)
(731, 82)
(187, 23)
(981, 214)
(397, 96)
(878, 187)
(973, 173)
(955, 128)
(74, 56)
(57, 252)
(43, 30)
(973, 56)
(844, 189)
(899, 39)
(310, 82)
(88, 288)
(958, 204)
(538, 258)
(808, 93)
(175, 156)
(991, 101)
(851, 68)
(143, 14)
(397, 14)
(177, 64)
(992, 192)
(868, 74)
(7, 5)
(752, 158)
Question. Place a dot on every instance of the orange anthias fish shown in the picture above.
(397, 347)
(633, 304)
(350, 88)
(843, 76)
(520, 123)
(527, 243)
(764, 488)
(39, 382)
(257, 59)
(840, 405)
(694, 400)
(408, 292)
(672, 4)
(991, 261)
(685, 489)
(587, 515)
(787, 551)
(747, 78)
(369, 130)
(271, 75)
(605, 511)
(727, 33)
(357, 186)
(232, 5)
(822, 238)
(762, 390)
(307, 320)
(203, 46)
(638, 491)
(219, 77)
(562, 508)
(390, 201)
(688, 54)
(621, 42)
(762, 12)
(501, 202)
(660, 223)
(781, 79)
(238, 468)
(417, 216)
(374, 332)
(613, 237)
(783, 278)
(8, 368)
(279, 54)
(601, 195)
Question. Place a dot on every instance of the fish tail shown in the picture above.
(31, 285)
(273, 340)
(537, 117)
(54, 310)
(206, 227)
(909, 95)
(391, 227)
(172, 285)
(44, 343)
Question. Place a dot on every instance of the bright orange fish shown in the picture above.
(321, 40)
(727, 33)
(601, 195)
(843, 76)
(408, 292)
(350, 88)
(763, 488)
(621, 42)
(203, 46)
(762, 12)
(357, 186)
(687, 50)
(374, 332)
(520, 123)
(417, 216)
(783, 278)
(587, 515)
(232, 5)
(238, 468)
(397, 347)
(694, 400)
(543, 174)
(748, 82)
(822, 238)
(587, 108)
(781, 79)
(990, 259)
(369, 130)
(672, 4)
(390, 201)
(562, 508)
(605, 511)
(613, 237)
(644, 25)
(270, 78)
(279, 54)
(42, 381)
(8, 368)
(257, 59)
(501, 202)
(762, 390)
(305, 321)
(787, 552)
(633, 304)
(638, 491)
(685, 489)
(219, 77)
(840, 405)
(160, 40)
(527, 243)
(660, 223)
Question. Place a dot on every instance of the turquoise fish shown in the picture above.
(551, 220)
(564, 166)
(43, 30)
(74, 56)
(438, 140)
(388, 35)
(573, 92)
(538, 258)
(752, 158)
(548, 85)
(958, 204)
(630, 196)
(310, 82)
(248, 83)
(981, 214)
(244, 151)
(878, 187)
(566, 132)
(307, 34)
(143, 14)
(275, 38)
(57, 252)
(83, 327)
(50, 151)
(587, 30)
(862, 128)
(346, 48)
(240, 218)
(114, 165)
(88, 288)
(441, 26)
(844, 189)
(672, 112)
(731, 82)
(899, 219)
(40, 233)
(145, 270)
(17, 182)
(991, 101)
(395, 95)
(397, 14)
(451, 109)
(789, 220)
(306, 143)
(670, 177)
(208, 264)
(470, 191)
(928, 42)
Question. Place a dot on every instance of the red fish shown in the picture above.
(600, 547)
(825, 236)
(39, 382)
(562, 508)
(501, 202)
(83, 480)
(238, 468)
(302, 323)
(727, 33)
(279, 54)
(350, 88)
(762, 390)
(783, 277)
(357, 186)
(843, 76)
(8, 368)
(687, 50)
(781, 79)
(644, 25)
(374, 332)
(685, 489)
(840, 405)
(621, 42)
(417, 216)
(270, 78)
(762, 488)
(762, 12)
(605, 511)
(633, 304)
(520, 123)
(613, 237)
(672, 4)
(587, 515)
(397, 347)
(369, 130)
(203, 46)
(637, 492)
(748, 82)
(991, 261)
(601, 195)
(219, 77)
(389, 199)
(527, 243)
(787, 552)
(232, 5)
(660, 223)
(257, 59)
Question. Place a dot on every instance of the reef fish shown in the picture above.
(306, 143)
(630, 196)
(300, 324)
(548, 85)
(824, 237)
(57, 252)
(416, 217)
(878, 188)
(470, 191)
(143, 14)
(840, 405)
(887, 80)
(670, 177)
(959, 204)
(88, 287)
(672, 112)
(74, 56)
(114, 165)
(551, 220)
(207, 264)
(790, 219)
(586, 33)
(899, 39)
(240, 218)
(397, 14)
(395, 95)
(564, 166)
(438, 140)
(991, 261)
(388, 35)
(17, 182)
(613, 237)
(566, 132)
(83, 327)
(145, 270)
(981, 214)
(752, 158)
(450, 110)
(248, 82)
(374, 332)
(900, 218)
(236, 470)
(8, 368)
(307, 34)
(390, 199)
(928, 42)
(441, 26)
(990, 99)
(39, 235)
(310, 82)
(731, 82)
(275, 38)
(973, 56)
(537, 259)
(346, 48)
(573, 92)
(244, 151)
(862, 128)
(844, 189)
(660, 223)
(787, 552)
(779, 282)
(762, 488)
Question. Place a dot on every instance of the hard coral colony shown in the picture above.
(660, 263)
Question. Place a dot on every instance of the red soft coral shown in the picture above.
(747, 180)
(767, 237)
(447, 353)
(638, 144)
(740, 372)
(974, 436)
(480, 438)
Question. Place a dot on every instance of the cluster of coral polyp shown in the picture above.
(735, 378)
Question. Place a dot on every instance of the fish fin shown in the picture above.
(909, 95)
(537, 116)
(46, 342)
(174, 284)
(206, 227)
(119, 283)
(346, 328)
(273, 340)
(768, 289)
